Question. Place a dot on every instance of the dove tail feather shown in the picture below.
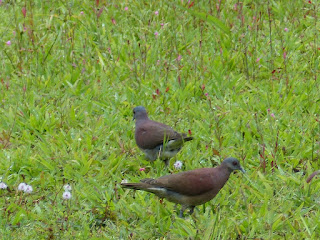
(186, 139)
(136, 186)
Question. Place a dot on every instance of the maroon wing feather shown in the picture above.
(194, 182)
(150, 134)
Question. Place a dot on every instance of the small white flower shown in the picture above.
(177, 165)
(3, 185)
(79, 139)
(22, 186)
(67, 188)
(124, 181)
(28, 189)
(66, 195)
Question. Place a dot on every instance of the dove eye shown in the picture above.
(234, 163)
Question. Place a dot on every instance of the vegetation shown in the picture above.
(241, 76)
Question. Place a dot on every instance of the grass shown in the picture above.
(241, 76)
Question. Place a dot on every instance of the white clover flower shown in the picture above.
(22, 186)
(66, 195)
(28, 189)
(177, 165)
(3, 185)
(124, 181)
(67, 188)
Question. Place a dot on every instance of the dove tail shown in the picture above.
(135, 186)
(186, 139)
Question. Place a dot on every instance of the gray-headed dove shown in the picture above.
(156, 139)
(190, 188)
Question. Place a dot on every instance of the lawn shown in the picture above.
(240, 77)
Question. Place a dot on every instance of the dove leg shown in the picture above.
(183, 207)
(166, 162)
(191, 209)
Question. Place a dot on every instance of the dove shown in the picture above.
(189, 188)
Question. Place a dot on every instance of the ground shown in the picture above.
(240, 77)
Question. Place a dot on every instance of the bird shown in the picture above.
(156, 139)
(189, 188)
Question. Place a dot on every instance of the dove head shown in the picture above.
(232, 164)
(140, 113)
